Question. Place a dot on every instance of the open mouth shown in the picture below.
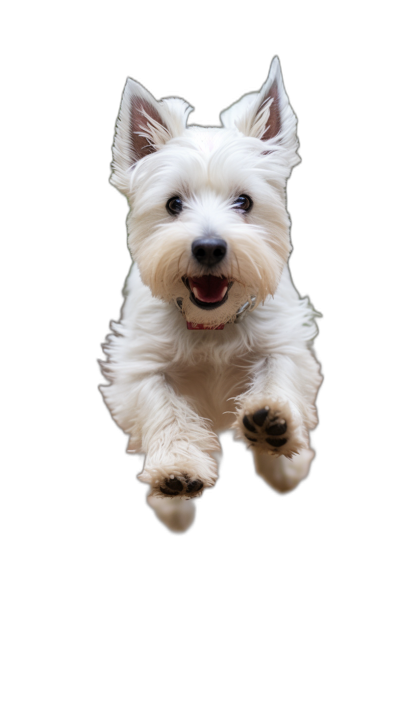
(209, 291)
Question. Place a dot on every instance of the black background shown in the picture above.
(241, 520)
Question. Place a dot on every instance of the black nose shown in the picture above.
(209, 251)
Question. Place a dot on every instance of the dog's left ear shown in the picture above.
(266, 115)
(143, 126)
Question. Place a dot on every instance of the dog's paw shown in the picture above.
(172, 482)
(186, 472)
(180, 484)
(274, 428)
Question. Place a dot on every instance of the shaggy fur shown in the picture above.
(172, 389)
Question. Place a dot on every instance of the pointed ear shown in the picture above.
(267, 114)
(143, 126)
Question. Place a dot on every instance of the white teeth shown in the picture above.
(197, 295)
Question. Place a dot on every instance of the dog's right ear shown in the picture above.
(143, 126)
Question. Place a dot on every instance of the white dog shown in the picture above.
(213, 334)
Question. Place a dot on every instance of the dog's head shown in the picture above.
(208, 225)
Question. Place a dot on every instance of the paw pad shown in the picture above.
(180, 485)
(265, 426)
(172, 485)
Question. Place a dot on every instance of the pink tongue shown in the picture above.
(209, 288)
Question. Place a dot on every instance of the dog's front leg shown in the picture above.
(177, 442)
(277, 412)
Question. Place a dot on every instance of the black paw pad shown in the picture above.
(276, 429)
(181, 485)
(248, 425)
(260, 416)
(172, 485)
(265, 425)
(194, 486)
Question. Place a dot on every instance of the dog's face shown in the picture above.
(208, 224)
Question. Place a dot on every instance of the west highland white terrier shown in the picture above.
(213, 335)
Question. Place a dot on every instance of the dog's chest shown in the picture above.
(213, 389)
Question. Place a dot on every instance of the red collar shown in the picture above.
(194, 326)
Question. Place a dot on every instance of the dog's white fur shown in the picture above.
(172, 389)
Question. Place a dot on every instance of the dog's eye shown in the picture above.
(243, 203)
(174, 205)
